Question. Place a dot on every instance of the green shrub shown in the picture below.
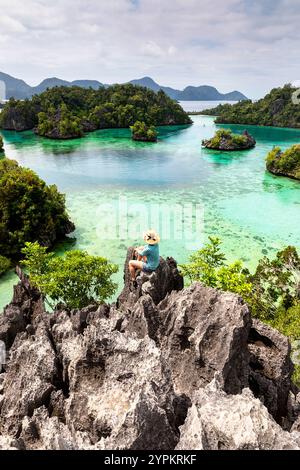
(288, 321)
(296, 375)
(1, 145)
(209, 267)
(143, 132)
(4, 264)
(276, 285)
(77, 279)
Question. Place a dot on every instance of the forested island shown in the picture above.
(275, 109)
(285, 163)
(29, 211)
(225, 139)
(69, 112)
(1, 145)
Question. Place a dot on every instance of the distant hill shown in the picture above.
(53, 82)
(15, 87)
(48, 83)
(191, 93)
(209, 93)
(20, 90)
(150, 83)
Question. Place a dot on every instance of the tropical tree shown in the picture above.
(29, 210)
(140, 131)
(209, 267)
(77, 279)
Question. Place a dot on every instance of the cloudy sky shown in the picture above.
(249, 45)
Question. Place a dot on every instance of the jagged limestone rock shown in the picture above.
(29, 379)
(217, 421)
(157, 284)
(27, 303)
(271, 368)
(137, 375)
(200, 331)
(111, 397)
(7, 443)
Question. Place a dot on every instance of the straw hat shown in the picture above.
(151, 237)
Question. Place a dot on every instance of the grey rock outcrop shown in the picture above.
(27, 303)
(271, 368)
(29, 379)
(164, 368)
(217, 421)
(7, 443)
(15, 119)
(200, 331)
(111, 398)
(203, 331)
(157, 284)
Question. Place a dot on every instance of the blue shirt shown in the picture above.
(152, 253)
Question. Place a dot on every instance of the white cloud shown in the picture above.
(152, 49)
(9, 24)
(232, 44)
(172, 50)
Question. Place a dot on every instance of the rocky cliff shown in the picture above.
(18, 116)
(163, 368)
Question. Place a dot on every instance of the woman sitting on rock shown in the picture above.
(147, 256)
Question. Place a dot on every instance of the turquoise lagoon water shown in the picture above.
(253, 212)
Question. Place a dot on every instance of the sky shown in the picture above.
(246, 45)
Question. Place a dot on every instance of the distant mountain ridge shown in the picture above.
(150, 83)
(191, 93)
(19, 89)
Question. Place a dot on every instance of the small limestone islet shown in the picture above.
(226, 141)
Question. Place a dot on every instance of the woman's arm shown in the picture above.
(145, 251)
(138, 251)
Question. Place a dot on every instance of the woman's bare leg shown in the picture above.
(133, 266)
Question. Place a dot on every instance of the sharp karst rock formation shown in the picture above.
(163, 368)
